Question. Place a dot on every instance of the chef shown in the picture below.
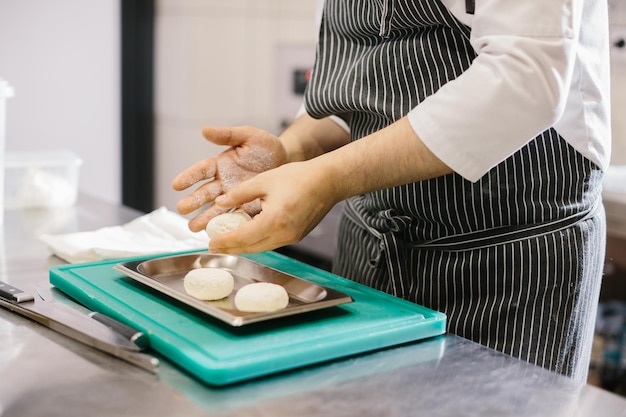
(469, 141)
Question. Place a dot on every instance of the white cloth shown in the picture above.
(161, 231)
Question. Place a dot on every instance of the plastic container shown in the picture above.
(6, 91)
(41, 179)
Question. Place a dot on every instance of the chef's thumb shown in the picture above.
(226, 136)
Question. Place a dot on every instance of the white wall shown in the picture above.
(217, 63)
(62, 58)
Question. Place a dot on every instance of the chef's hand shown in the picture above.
(250, 152)
(294, 197)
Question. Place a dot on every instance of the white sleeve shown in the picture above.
(516, 87)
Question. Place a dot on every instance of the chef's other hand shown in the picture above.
(294, 198)
(250, 151)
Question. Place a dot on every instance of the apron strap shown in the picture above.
(505, 234)
(392, 247)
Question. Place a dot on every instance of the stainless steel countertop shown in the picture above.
(43, 373)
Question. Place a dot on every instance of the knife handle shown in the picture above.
(13, 294)
(134, 335)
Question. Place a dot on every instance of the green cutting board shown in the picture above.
(220, 354)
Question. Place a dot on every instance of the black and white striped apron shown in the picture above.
(515, 259)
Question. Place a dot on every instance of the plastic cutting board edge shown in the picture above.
(219, 354)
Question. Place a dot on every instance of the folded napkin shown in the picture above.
(161, 231)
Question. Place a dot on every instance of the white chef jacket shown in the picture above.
(538, 66)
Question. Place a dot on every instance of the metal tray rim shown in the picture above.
(131, 269)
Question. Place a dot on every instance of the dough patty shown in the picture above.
(226, 222)
(261, 297)
(208, 283)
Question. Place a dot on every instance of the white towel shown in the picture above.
(161, 231)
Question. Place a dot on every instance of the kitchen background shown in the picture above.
(224, 63)
(217, 63)
(62, 58)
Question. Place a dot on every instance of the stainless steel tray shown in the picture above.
(166, 275)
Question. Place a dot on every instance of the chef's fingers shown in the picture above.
(202, 170)
(291, 206)
(229, 136)
(244, 193)
(231, 243)
(251, 237)
(200, 221)
(241, 247)
(254, 236)
(203, 195)
(207, 168)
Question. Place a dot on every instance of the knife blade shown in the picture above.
(137, 337)
(74, 325)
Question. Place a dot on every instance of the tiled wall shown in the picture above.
(216, 64)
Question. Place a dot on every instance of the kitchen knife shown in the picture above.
(139, 338)
(75, 325)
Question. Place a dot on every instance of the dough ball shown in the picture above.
(261, 297)
(208, 283)
(227, 222)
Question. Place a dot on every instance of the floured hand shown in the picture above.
(250, 152)
(295, 197)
